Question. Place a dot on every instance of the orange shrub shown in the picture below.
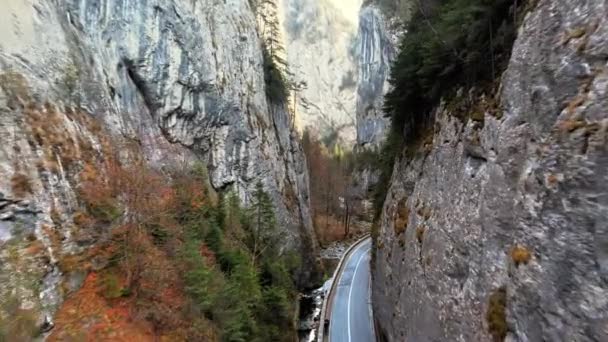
(520, 255)
(328, 228)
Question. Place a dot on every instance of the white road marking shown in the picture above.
(350, 291)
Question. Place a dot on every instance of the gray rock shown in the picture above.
(375, 51)
(319, 40)
(75, 280)
(173, 76)
(7, 216)
(536, 179)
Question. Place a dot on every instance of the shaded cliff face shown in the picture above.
(183, 80)
(501, 226)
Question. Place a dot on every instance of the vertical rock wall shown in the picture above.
(319, 42)
(498, 230)
(375, 51)
(182, 79)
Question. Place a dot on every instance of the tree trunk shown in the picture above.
(492, 48)
(346, 218)
(256, 236)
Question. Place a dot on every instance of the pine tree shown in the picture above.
(232, 216)
(202, 283)
(276, 71)
(242, 295)
(452, 44)
(262, 231)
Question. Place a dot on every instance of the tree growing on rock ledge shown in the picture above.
(449, 45)
(276, 71)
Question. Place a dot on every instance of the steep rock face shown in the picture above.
(375, 51)
(181, 79)
(377, 37)
(319, 42)
(500, 229)
(381, 24)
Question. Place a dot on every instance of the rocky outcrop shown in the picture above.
(181, 79)
(498, 230)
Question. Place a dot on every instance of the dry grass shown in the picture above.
(35, 248)
(328, 229)
(19, 324)
(401, 218)
(496, 316)
(73, 262)
(420, 233)
(54, 236)
(569, 126)
(82, 220)
(21, 185)
(520, 255)
(552, 180)
(55, 216)
(424, 212)
(50, 131)
(16, 88)
(54, 136)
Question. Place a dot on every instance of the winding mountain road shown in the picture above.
(351, 318)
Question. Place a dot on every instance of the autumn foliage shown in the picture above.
(332, 196)
(108, 320)
(176, 261)
(138, 294)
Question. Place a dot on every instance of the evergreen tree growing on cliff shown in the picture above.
(275, 67)
(449, 45)
(262, 234)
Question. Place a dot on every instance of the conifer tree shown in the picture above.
(275, 66)
(452, 44)
(232, 215)
(201, 282)
(262, 232)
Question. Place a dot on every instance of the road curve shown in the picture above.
(351, 317)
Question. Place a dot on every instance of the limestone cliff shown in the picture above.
(376, 44)
(381, 24)
(319, 41)
(506, 220)
(181, 79)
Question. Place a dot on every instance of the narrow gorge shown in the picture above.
(196, 170)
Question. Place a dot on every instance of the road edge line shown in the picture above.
(350, 293)
(326, 297)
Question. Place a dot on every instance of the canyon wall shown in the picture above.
(496, 228)
(320, 38)
(376, 48)
(182, 80)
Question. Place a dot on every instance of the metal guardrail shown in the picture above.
(327, 298)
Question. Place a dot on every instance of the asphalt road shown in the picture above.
(351, 316)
